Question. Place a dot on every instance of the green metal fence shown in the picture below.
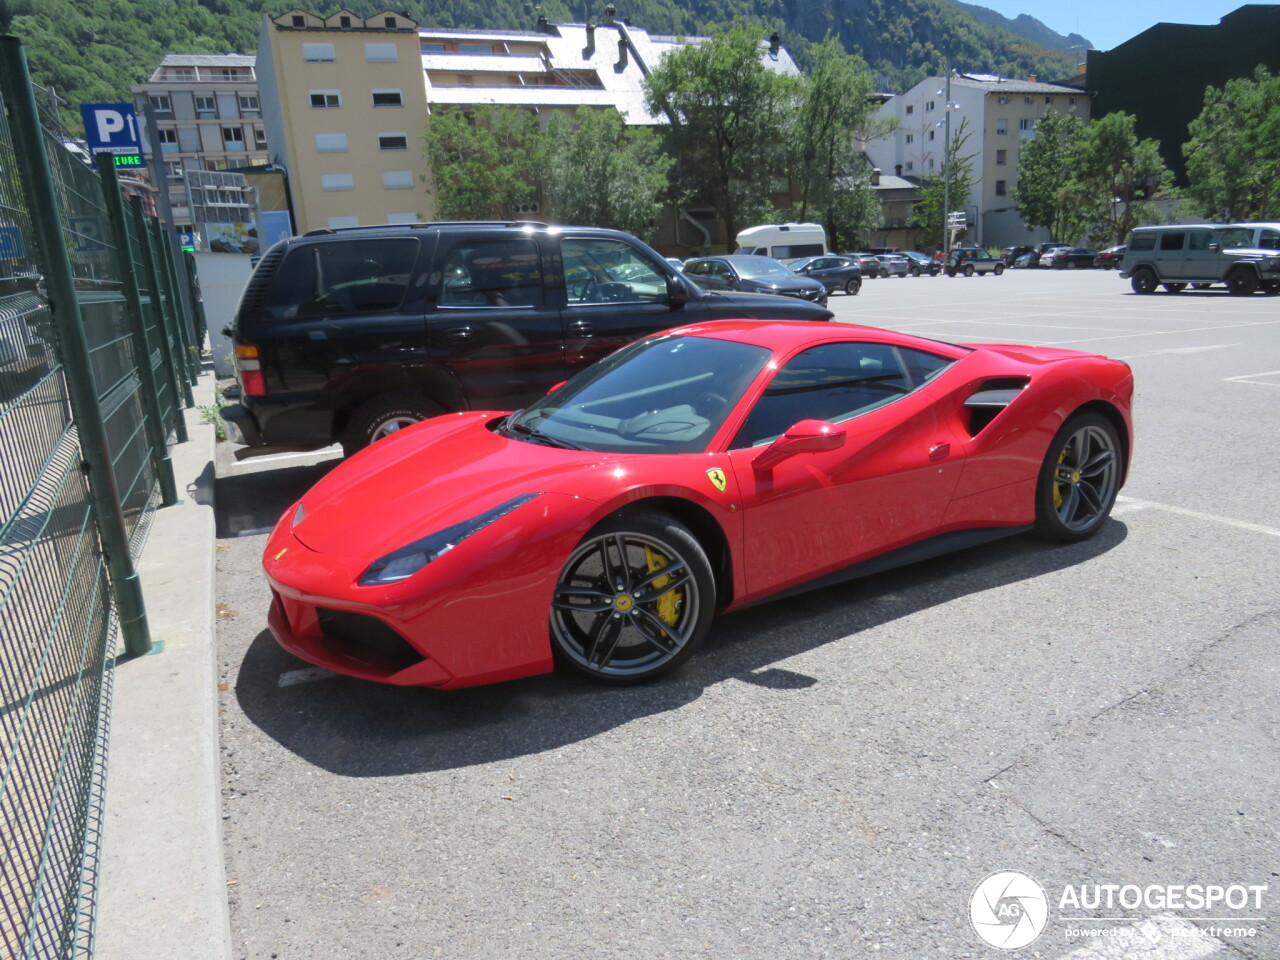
(94, 373)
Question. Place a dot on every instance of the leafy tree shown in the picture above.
(853, 212)
(602, 174)
(1233, 156)
(1119, 178)
(1046, 192)
(486, 160)
(727, 113)
(931, 212)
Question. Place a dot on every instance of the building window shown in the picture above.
(1002, 127)
(259, 138)
(318, 52)
(389, 22)
(1003, 100)
(326, 99)
(249, 104)
(337, 181)
(173, 169)
(184, 73)
(215, 165)
(344, 23)
(1071, 102)
(1000, 188)
(206, 106)
(393, 141)
(475, 47)
(228, 74)
(928, 106)
(380, 53)
(910, 166)
(433, 48)
(911, 108)
(1048, 99)
(932, 133)
(397, 180)
(232, 135)
(1026, 99)
(299, 21)
(402, 218)
(911, 138)
(337, 223)
(931, 163)
(331, 143)
(387, 98)
(167, 136)
(1026, 123)
(1002, 158)
(160, 101)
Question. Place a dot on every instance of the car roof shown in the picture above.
(453, 226)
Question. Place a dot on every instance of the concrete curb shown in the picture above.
(162, 889)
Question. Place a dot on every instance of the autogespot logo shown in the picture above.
(1008, 910)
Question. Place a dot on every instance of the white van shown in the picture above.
(784, 241)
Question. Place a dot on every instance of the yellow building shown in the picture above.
(344, 110)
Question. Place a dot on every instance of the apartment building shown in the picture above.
(208, 117)
(999, 116)
(344, 111)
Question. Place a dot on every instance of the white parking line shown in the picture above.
(1130, 504)
(1161, 937)
(1256, 378)
(305, 675)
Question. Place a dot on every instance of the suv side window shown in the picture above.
(341, 278)
(1171, 241)
(493, 273)
(833, 382)
(610, 271)
(1269, 240)
(1146, 241)
(1199, 239)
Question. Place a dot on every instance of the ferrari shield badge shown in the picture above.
(716, 476)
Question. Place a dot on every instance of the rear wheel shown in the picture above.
(999, 269)
(884, 274)
(853, 286)
(968, 270)
(1143, 281)
(383, 415)
(1175, 287)
(1079, 479)
(634, 599)
(1242, 282)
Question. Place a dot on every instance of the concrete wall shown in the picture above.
(222, 277)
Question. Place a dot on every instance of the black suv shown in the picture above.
(348, 335)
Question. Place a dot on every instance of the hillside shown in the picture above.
(93, 50)
(1030, 28)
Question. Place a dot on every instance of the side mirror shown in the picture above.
(677, 293)
(807, 436)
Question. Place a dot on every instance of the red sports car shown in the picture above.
(695, 471)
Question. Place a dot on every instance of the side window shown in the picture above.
(610, 271)
(697, 269)
(832, 382)
(1235, 237)
(1171, 241)
(343, 278)
(1269, 240)
(1146, 241)
(1199, 239)
(504, 272)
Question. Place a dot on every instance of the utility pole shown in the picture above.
(946, 168)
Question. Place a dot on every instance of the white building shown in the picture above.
(999, 116)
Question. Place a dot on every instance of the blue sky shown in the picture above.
(1109, 23)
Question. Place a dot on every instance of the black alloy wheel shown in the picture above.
(1079, 479)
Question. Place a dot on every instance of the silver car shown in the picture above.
(893, 265)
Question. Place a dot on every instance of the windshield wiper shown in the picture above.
(541, 437)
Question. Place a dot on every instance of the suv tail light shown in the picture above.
(249, 371)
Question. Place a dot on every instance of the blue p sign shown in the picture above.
(111, 127)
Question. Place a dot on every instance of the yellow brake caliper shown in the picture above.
(669, 603)
(1057, 487)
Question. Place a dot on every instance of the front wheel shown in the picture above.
(1071, 264)
(915, 271)
(1143, 281)
(853, 286)
(1079, 479)
(383, 415)
(1242, 283)
(634, 599)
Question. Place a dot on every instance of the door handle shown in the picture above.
(458, 334)
(583, 328)
(939, 451)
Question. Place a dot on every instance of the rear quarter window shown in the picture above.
(338, 279)
(1143, 242)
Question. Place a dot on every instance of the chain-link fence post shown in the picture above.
(42, 199)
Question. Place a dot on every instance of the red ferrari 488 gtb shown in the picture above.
(695, 471)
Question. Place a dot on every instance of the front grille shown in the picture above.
(367, 635)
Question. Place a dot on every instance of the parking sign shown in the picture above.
(113, 128)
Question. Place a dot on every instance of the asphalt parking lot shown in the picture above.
(832, 775)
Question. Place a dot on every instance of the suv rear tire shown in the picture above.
(1143, 281)
(383, 415)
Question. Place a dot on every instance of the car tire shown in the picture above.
(612, 619)
(1079, 479)
(951, 272)
(915, 271)
(853, 286)
(999, 269)
(1175, 287)
(1143, 281)
(884, 274)
(1242, 283)
(968, 270)
(1071, 264)
(383, 415)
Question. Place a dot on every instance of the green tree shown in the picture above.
(727, 114)
(930, 211)
(853, 212)
(602, 174)
(1046, 193)
(1233, 156)
(485, 160)
(1119, 177)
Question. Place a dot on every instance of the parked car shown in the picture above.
(922, 263)
(1068, 258)
(1040, 249)
(1109, 259)
(893, 265)
(1010, 254)
(689, 474)
(1194, 253)
(675, 262)
(749, 273)
(349, 335)
(973, 260)
(837, 273)
(1024, 261)
(867, 263)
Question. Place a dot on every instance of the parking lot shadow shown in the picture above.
(360, 729)
(250, 504)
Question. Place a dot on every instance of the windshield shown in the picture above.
(665, 395)
(761, 267)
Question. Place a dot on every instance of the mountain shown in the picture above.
(93, 50)
(1031, 28)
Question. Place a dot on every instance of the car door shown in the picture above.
(887, 485)
(614, 293)
(493, 326)
(1168, 254)
(1199, 262)
(831, 271)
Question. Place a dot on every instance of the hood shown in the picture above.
(432, 475)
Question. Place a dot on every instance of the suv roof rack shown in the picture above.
(322, 231)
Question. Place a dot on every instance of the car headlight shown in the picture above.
(409, 559)
(1271, 263)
